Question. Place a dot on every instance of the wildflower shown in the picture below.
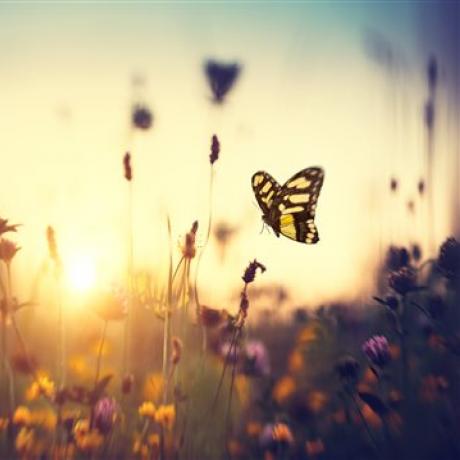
(23, 363)
(295, 361)
(403, 280)
(316, 401)
(223, 232)
(250, 272)
(5, 227)
(283, 389)
(221, 78)
(176, 352)
(421, 186)
(416, 252)
(189, 250)
(52, 246)
(432, 387)
(276, 435)
(257, 361)
(377, 350)
(27, 443)
(396, 258)
(235, 448)
(411, 206)
(153, 387)
(153, 440)
(449, 258)
(347, 368)
(22, 416)
(8, 250)
(371, 417)
(105, 415)
(3, 423)
(127, 383)
(147, 409)
(127, 167)
(165, 416)
(314, 447)
(393, 184)
(215, 149)
(142, 117)
(309, 333)
(87, 439)
(42, 386)
(253, 429)
(211, 317)
(230, 351)
(282, 434)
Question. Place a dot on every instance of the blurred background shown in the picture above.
(369, 91)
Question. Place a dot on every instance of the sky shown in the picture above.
(312, 91)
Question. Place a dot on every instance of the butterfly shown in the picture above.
(290, 209)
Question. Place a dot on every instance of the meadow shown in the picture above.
(148, 369)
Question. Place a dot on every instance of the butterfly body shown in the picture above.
(290, 209)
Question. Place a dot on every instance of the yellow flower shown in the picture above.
(284, 388)
(153, 387)
(316, 400)
(147, 409)
(154, 442)
(314, 447)
(253, 429)
(28, 444)
(86, 439)
(295, 361)
(3, 424)
(166, 416)
(79, 366)
(309, 334)
(43, 386)
(282, 434)
(242, 386)
(45, 419)
(22, 416)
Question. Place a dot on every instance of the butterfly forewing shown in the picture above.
(266, 189)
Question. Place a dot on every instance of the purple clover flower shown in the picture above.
(257, 360)
(377, 350)
(105, 414)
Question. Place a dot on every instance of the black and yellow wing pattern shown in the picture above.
(290, 209)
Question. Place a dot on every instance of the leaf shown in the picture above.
(375, 403)
(102, 384)
(380, 301)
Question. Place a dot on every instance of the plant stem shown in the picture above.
(8, 370)
(127, 332)
(168, 311)
(208, 233)
(99, 353)
(366, 426)
(62, 341)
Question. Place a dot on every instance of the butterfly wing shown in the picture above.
(296, 205)
(266, 189)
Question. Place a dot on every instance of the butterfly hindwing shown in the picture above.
(265, 189)
(291, 210)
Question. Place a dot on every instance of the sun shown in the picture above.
(81, 272)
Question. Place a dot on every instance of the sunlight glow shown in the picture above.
(81, 272)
